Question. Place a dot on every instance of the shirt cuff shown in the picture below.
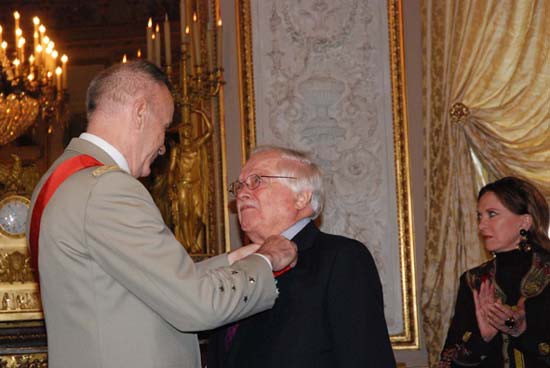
(266, 259)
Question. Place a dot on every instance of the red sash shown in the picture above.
(280, 272)
(58, 176)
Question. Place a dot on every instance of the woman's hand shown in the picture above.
(507, 319)
(484, 299)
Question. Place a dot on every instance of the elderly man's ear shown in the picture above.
(303, 199)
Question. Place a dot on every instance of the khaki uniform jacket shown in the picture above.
(118, 290)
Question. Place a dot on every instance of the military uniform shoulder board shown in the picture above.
(105, 169)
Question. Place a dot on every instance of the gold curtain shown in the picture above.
(486, 93)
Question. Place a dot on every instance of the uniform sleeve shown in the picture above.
(356, 311)
(127, 238)
(464, 345)
(220, 260)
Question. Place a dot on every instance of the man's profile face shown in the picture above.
(269, 209)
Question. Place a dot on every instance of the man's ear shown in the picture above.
(138, 112)
(303, 199)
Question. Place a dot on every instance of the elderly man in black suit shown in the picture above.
(330, 309)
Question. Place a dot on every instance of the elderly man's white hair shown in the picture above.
(308, 175)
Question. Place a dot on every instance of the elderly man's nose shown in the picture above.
(243, 193)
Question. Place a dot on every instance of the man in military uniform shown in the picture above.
(117, 288)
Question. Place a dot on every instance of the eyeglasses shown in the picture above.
(252, 182)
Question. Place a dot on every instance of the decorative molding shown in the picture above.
(243, 19)
(409, 338)
(30, 360)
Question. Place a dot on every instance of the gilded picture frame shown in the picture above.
(408, 338)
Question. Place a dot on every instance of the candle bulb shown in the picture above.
(64, 60)
(196, 39)
(188, 50)
(167, 41)
(58, 72)
(48, 59)
(21, 48)
(16, 16)
(45, 41)
(41, 31)
(39, 55)
(138, 54)
(18, 31)
(35, 42)
(150, 40)
(189, 13)
(36, 23)
(55, 54)
(219, 48)
(31, 63)
(124, 59)
(16, 63)
(183, 21)
(209, 50)
(157, 46)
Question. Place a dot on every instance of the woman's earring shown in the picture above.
(524, 242)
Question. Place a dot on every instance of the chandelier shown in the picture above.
(31, 84)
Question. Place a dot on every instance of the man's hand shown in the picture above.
(241, 252)
(280, 251)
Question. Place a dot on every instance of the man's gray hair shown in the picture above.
(119, 82)
(308, 175)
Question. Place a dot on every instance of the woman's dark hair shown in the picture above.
(522, 197)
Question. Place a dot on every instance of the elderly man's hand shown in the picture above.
(280, 251)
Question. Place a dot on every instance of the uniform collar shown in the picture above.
(109, 149)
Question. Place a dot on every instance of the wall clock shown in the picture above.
(14, 209)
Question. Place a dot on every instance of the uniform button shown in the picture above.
(245, 299)
(251, 280)
(222, 289)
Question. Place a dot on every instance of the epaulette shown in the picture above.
(105, 169)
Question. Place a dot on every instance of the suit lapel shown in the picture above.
(248, 328)
(306, 237)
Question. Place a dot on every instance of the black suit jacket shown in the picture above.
(329, 313)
